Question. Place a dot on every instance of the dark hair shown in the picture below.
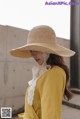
(59, 61)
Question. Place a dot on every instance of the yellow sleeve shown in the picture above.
(20, 115)
(51, 90)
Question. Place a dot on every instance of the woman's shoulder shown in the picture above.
(55, 72)
(57, 69)
(56, 75)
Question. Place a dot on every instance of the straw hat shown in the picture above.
(41, 38)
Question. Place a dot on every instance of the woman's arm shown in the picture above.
(51, 92)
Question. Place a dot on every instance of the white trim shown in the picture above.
(37, 72)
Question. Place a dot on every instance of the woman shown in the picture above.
(45, 92)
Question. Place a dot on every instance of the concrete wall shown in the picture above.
(15, 72)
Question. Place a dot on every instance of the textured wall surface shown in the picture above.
(15, 72)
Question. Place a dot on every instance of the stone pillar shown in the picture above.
(75, 44)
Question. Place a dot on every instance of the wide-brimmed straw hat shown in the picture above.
(41, 38)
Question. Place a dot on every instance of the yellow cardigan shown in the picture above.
(47, 101)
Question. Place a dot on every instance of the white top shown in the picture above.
(37, 71)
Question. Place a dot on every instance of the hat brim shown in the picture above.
(24, 51)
